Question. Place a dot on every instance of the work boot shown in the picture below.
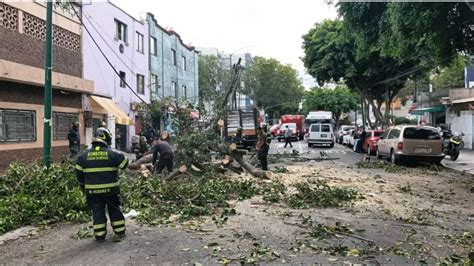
(118, 237)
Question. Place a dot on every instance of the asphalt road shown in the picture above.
(345, 154)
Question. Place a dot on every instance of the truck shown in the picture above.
(298, 120)
(324, 117)
(246, 118)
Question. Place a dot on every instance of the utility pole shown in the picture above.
(48, 55)
(362, 110)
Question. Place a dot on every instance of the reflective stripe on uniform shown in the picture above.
(102, 233)
(120, 229)
(124, 162)
(118, 222)
(78, 167)
(97, 148)
(99, 226)
(100, 186)
(99, 169)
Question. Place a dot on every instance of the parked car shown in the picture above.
(292, 127)
(371, 141)
(343, 130)
(414, 143)
(348, 139)
(274, 130)
(321, 134)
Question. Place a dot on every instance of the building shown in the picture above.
(460, 114)
(173, 68)
(124, 41)
(22, 35)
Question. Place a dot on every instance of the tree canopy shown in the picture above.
(338, 101)
(274, 86)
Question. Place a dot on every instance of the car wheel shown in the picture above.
(379, 156)
(279, 140)
(310, 145)
(332, 145)
(393, 157)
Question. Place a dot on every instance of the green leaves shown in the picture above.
(32, 194)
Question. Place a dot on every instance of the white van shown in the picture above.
(321, 134)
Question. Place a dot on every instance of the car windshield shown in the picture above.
(346, 128)
(420, 133)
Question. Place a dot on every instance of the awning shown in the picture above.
(434, 109)
(112, 108)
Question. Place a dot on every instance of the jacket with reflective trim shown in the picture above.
(97, 169)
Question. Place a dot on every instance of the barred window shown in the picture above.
(62, 124)
(17, 125)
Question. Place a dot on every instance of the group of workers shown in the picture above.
(97, 169)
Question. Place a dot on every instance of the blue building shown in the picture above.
(173, 64)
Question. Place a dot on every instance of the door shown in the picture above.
(315, 133)
(382, 146)
(393, 139)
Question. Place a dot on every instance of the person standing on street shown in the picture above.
(239, 138)
(97, 173)
(142, 149)
(166, 156)
(288, 137)
(74, 140)
(262, 148)
(117, 138)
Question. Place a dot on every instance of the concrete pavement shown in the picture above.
(465, 162)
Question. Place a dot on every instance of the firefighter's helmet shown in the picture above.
(103, 135)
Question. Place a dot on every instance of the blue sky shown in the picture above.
(270, 28)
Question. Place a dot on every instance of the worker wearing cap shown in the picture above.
(142, 149)
(97, 173)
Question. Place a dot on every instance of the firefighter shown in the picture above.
(267, 134)
(97, 173)
(262, 148)
(239, 138)
(142, 149)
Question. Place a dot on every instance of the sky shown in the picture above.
(269, 28)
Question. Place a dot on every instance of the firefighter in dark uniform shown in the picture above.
(239, 138)
(267, 134)
(97, 173)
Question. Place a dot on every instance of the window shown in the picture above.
(421, 133)
(153, 84)
(173, 89)
(315, 128)
(152, 46)
(184, 63)
(122, 79)
(173, 56)
(120, 31)
(139, 42)
(17, 125)
(184, 92)
(62, 124)
(140, 84)
(326, 128)
(394, 134)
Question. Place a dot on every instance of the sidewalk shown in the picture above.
(465, 162)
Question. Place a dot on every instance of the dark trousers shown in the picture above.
(97, 204)
(74, 150)
(166, 160)
(288, 141)
(262, 157)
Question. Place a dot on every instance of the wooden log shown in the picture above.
(144, 160)
(182, 169)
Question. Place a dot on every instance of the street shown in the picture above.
(345, 154)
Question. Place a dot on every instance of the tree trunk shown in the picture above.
(182, 169)
(144, 160)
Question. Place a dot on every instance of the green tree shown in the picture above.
(451, 76)
(274, 86)
(338, 101)
(212, 79)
